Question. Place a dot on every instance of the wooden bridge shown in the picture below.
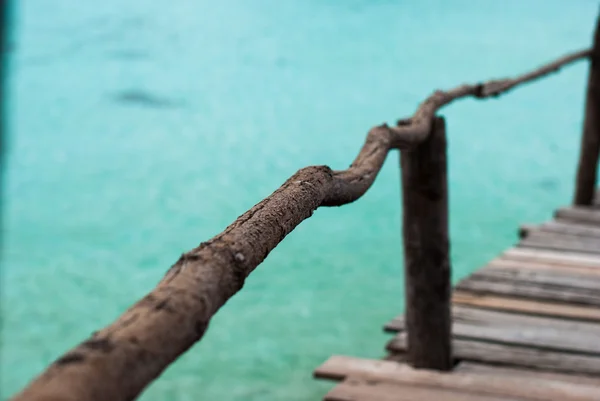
(524, 327)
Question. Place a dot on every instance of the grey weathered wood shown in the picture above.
(539, 277)
(528, 388)
(530, 291)
(520, 330)
(561, 242)
(482, 317)
(585, 185)
(527, 306)
(426, 251)
(558, 245)
(567, 228)
(588, 241)
(511, 355)
(579, 214)
(570, 228)
(353, 389)
(581, 271)
(553, 258)
(495, 371)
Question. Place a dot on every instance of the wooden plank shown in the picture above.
(568, 239)
(530, 307)
(518, 289)
(552, 257)
(491, 370)
(426, 250)
(353, 389)
(541, 266)
(558, 246)
(512, 329)
(579, 214)
(539, 277)
(341, 367)
(511, 355)
(560, 243)
(396, 357)
(560, 226)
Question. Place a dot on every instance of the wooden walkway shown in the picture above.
(526, 326)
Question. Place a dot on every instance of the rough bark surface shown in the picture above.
(587, 169)
(119, 361)
(426, 251)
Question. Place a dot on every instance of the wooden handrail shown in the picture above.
(414, 130)
(120, 360)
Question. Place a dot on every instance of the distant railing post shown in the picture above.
(585, 186)
(426, 251)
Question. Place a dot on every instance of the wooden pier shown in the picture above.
(526, 326)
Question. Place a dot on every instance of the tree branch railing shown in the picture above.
(119, 361)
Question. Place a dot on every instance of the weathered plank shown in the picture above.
(491, 370)
(580, 214)
(552, 257)
(567, 227)
(426, 250)
(396, 357)
(340, 367)
(353, 389)
(528, 307)
(560, 227)
(582, 271)
(560, 243)
(511, 355)
(539, 277)
(530, 291)
(567, 238)
(529, 331)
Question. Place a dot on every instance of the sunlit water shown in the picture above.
(139, 129)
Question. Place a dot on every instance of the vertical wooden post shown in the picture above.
(426, 251)
(585, 186)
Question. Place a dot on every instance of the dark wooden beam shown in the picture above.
(426, 251)
(587, 169)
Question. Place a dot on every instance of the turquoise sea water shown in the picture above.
(139, 129)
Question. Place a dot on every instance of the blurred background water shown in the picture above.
(139, 129)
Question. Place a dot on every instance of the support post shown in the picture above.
(426, 251)
(585, 186)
